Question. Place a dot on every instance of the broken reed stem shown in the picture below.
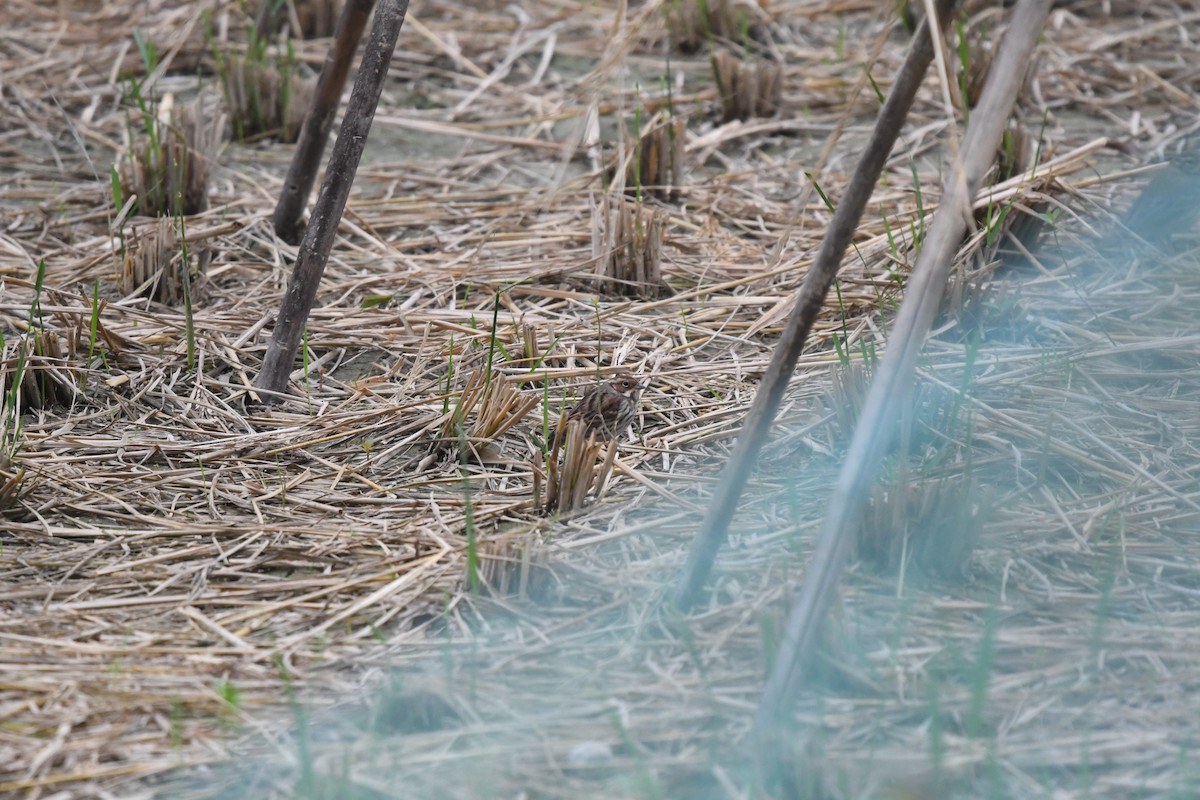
(932, 524)
(264, 95)
(568, 482)
(514, 566)
(748, 89)
(172, 179)
(627, 239)
(894, 375)
(657, 163)
(692, 24)
(154, 265)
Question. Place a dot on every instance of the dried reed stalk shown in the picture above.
(318, 121)
(305, 19)
(747, 89)
(657, 163)
(170, 172)
(331, 201)
(627, 239)
(515, 566)
(694, 23)
(894, 375)
(155, 262)
(568, 482)
(808, 304)
(264, 96)
(42, 363)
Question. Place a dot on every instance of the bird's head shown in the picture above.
(626, 383)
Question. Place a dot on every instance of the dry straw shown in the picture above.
(487, 409)
(179, 562)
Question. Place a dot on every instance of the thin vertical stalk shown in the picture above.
(721, 508)
(893, 378)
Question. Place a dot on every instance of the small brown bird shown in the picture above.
(608, 408)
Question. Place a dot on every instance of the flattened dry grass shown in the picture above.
(178, 560)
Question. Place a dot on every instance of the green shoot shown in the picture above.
(35, 308)
(1041, 139)
(149, 55)
(118, 194)
(820, 192)
(286, 68)
(493, 342)
(867, 349)
(449, 377)
(177, 715)
(283, 486)
(670, 99)
(637, 148)
(189, 319)
(94, 322)
(229, 693)
(894, 249)
(981, 673)
(468, 509)
(919, 233)
(842, 354)
(875, 86)
(599, 337)
(537, 364)
(743, 23)
(545, 416)
(843, 357)
(147, 50)
(995, 222)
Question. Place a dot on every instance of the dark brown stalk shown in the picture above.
(331, 202)
(302, 173)
(816, 285)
